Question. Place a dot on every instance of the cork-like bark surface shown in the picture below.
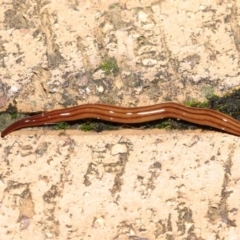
(138, 185)
(120, 185)
(62, 53)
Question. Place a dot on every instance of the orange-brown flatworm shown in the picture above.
(202, 116)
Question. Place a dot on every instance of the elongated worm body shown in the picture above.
(111, 113)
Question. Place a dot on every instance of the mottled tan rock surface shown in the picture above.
(120, 185)
(53, 53)
(137, 185)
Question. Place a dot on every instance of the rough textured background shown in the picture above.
(118, 185)
(51, 51)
